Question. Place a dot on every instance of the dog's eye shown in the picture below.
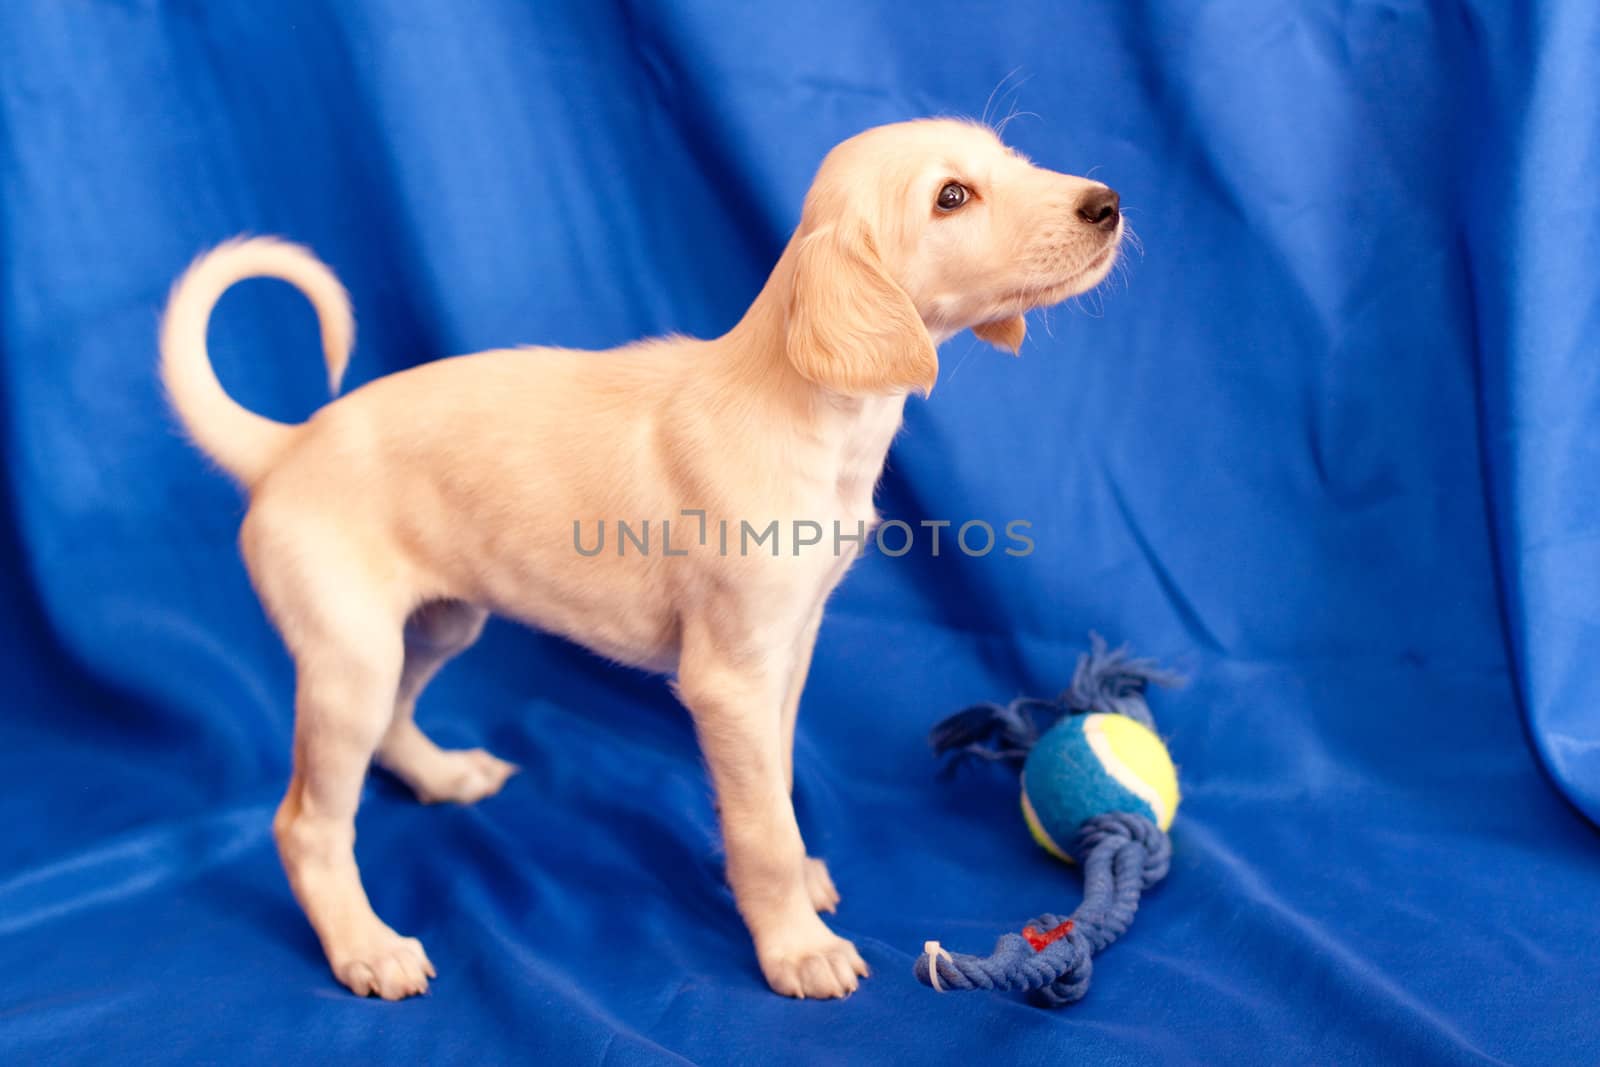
(952, 196)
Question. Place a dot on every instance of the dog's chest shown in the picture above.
(870, 425)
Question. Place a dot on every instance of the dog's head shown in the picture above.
(914, 231)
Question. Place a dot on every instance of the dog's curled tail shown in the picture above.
(243, 443)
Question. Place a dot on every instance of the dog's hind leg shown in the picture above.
(343, 628)
(433, 634)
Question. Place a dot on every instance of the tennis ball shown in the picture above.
(1088, 765)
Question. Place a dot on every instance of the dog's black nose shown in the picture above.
(1099, 207)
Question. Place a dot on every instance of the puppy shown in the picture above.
(382, 531)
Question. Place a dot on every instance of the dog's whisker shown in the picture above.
(987, 104)
(971, 348)
(1014, 115)
(1131, 236)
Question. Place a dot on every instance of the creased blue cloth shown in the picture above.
(1330, 445)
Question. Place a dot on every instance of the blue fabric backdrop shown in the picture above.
(1330, 445)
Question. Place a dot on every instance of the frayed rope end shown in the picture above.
(1110, 681)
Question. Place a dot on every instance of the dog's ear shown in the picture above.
(852, 328)
(1003, 333)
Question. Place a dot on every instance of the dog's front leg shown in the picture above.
(799, 668)
(734, 683)
(819, 882)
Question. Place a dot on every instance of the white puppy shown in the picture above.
(383, 530)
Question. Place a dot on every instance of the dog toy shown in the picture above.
(1098, 787)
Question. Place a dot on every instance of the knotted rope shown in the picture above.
(1122, 855)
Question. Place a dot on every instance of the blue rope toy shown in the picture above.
(1095, 775)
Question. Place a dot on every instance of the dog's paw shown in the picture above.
(390, 966)
(463, 776)
(814, 963)
(819, 885)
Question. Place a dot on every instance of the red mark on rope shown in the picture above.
(1039, 939)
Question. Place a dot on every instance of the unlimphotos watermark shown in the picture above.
(894, 538)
